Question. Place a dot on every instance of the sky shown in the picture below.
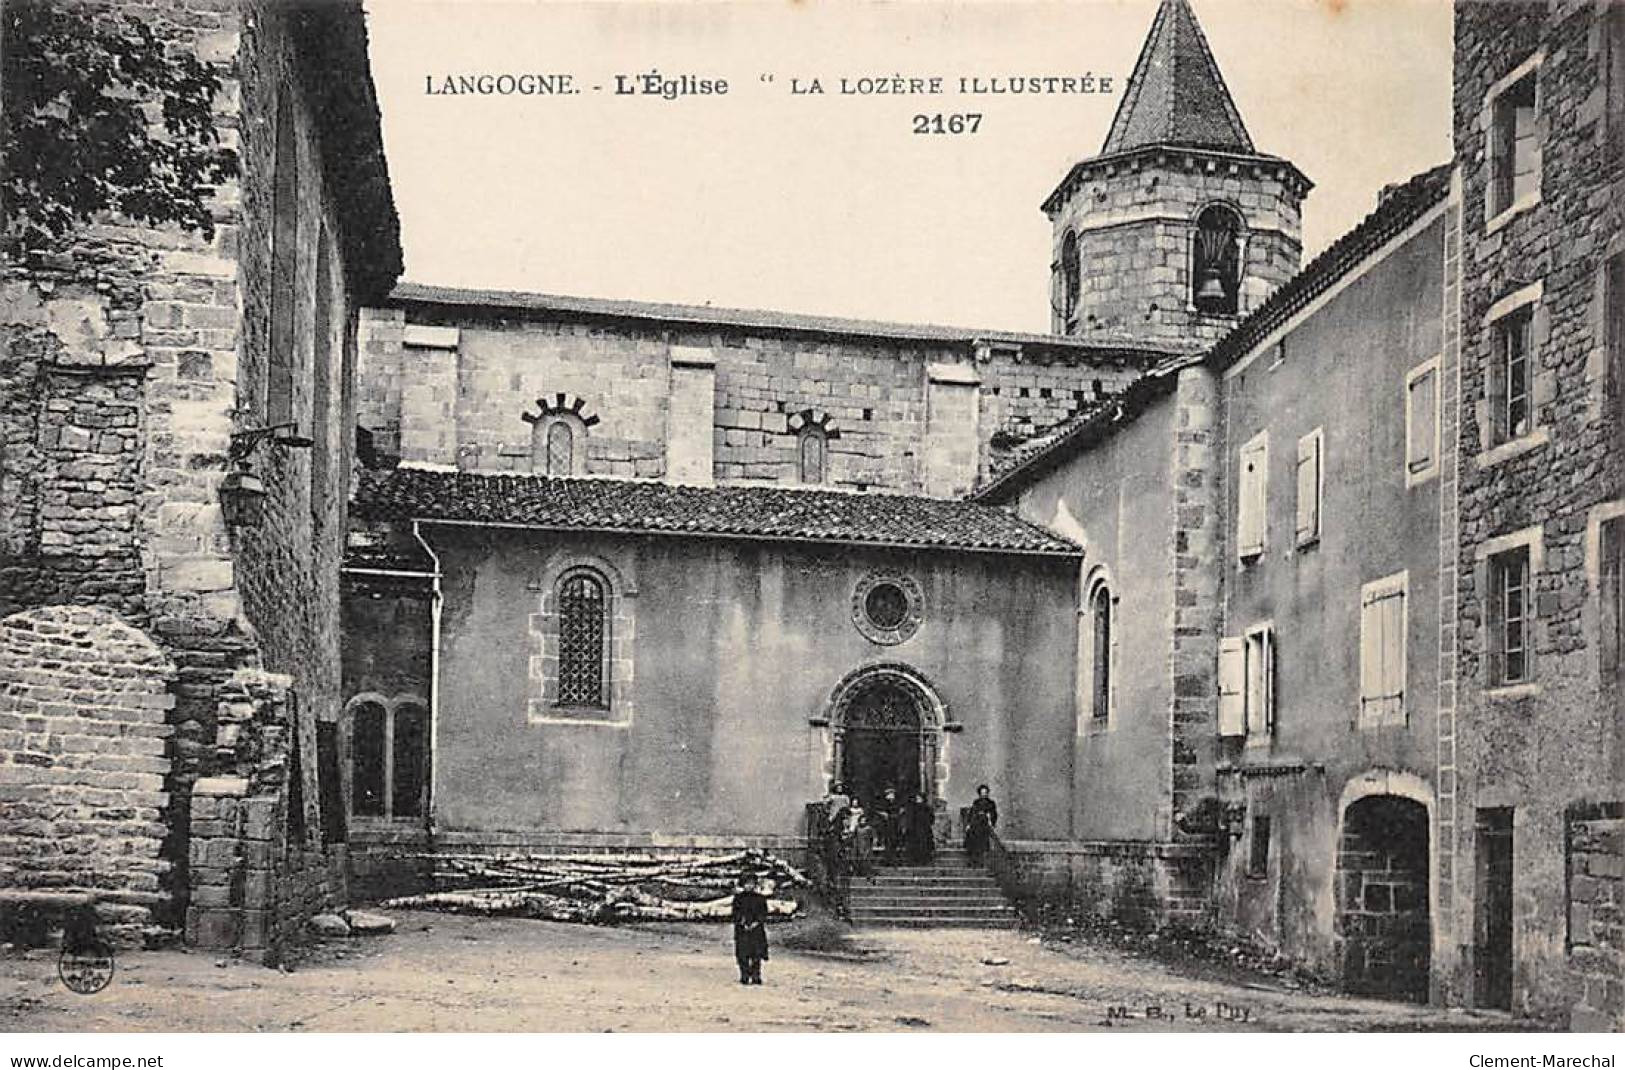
(829, 203)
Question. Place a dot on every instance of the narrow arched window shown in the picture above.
(561, 444)
(813, 448)
(409, 763)
(367, 772)
(1101, 660)
(1071, 281)
(1216, 261)
(583, 635)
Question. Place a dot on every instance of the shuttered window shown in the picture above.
(1247, 685)
(1252, 494)
(1260, 650)
(1232, 676)
(1382, 651)
(1310, 448)
(1422, 421)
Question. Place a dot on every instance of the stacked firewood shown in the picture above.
(601, 889)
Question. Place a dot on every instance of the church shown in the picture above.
(1237, 588)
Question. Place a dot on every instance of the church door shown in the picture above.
(881, 744)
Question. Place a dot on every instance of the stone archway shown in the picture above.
(887, 726)
(1383, 927)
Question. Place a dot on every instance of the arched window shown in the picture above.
(555, 443)
(583, 608)
(389, 757)
(1216, 261)
(367, 772)
(1071, 281)
(1096, 696)
(1100, 616)
(813, 447)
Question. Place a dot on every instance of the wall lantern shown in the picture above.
(242, 493)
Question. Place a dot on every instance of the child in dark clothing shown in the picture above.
(750, 930)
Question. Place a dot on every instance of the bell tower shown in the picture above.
(1179, 227)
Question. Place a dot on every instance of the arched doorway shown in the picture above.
(1383, 924)
(887, 725)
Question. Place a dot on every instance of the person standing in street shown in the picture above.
(980, 822)
(750, 929)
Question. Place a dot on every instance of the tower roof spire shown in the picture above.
(1176, 95)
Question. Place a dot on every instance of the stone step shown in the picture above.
(923, 906)
(942, 910)
(979, 920)
(931, 873)
(924, 891)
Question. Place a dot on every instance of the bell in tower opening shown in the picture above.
(1216, 261)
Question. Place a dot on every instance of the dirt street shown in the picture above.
(447, 973)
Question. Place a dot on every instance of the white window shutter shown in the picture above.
(1393, 652)
(1424, 420)
(1232, 678)
(1252, 498)
(1308, 523)
(1370, 653)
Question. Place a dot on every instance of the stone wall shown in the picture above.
(1135, 218)
(258, 866)
(71, 437)
(1135, 883)
(465, 406)
(1596, 918)
(1541, 746)
(82, 761)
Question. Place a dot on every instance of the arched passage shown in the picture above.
(1384, 931)
(887, 722)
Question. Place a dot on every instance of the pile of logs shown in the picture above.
(602, 889)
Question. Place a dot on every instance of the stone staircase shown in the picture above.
(949, 893)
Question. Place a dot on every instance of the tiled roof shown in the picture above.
(757, 319)
(744, 512)
(1399, 208)
(1176, 95)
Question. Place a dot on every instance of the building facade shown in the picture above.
(1400, 731)
(176, 463)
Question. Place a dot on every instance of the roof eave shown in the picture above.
(1052, 202)
(610, 529)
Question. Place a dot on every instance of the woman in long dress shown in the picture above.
(917, 831)
(979, 824)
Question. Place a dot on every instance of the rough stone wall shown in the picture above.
(257, 869)
(141, 351)
(82, 760)
(1541, 747)
(1135, 218)
(70, 478)
(1138, 884)
(1596, 921)
(871, 391)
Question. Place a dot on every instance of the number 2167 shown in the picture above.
(947, 124)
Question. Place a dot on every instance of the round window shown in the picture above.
(886, 607)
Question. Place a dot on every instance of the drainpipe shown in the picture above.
(434, 672)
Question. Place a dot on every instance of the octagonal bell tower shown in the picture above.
(1179, 227)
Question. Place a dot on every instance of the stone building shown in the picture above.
(1406, 764)
(175, 465)
(1531, 765)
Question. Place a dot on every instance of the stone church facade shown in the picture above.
(1278, 599)
(1268, 677)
